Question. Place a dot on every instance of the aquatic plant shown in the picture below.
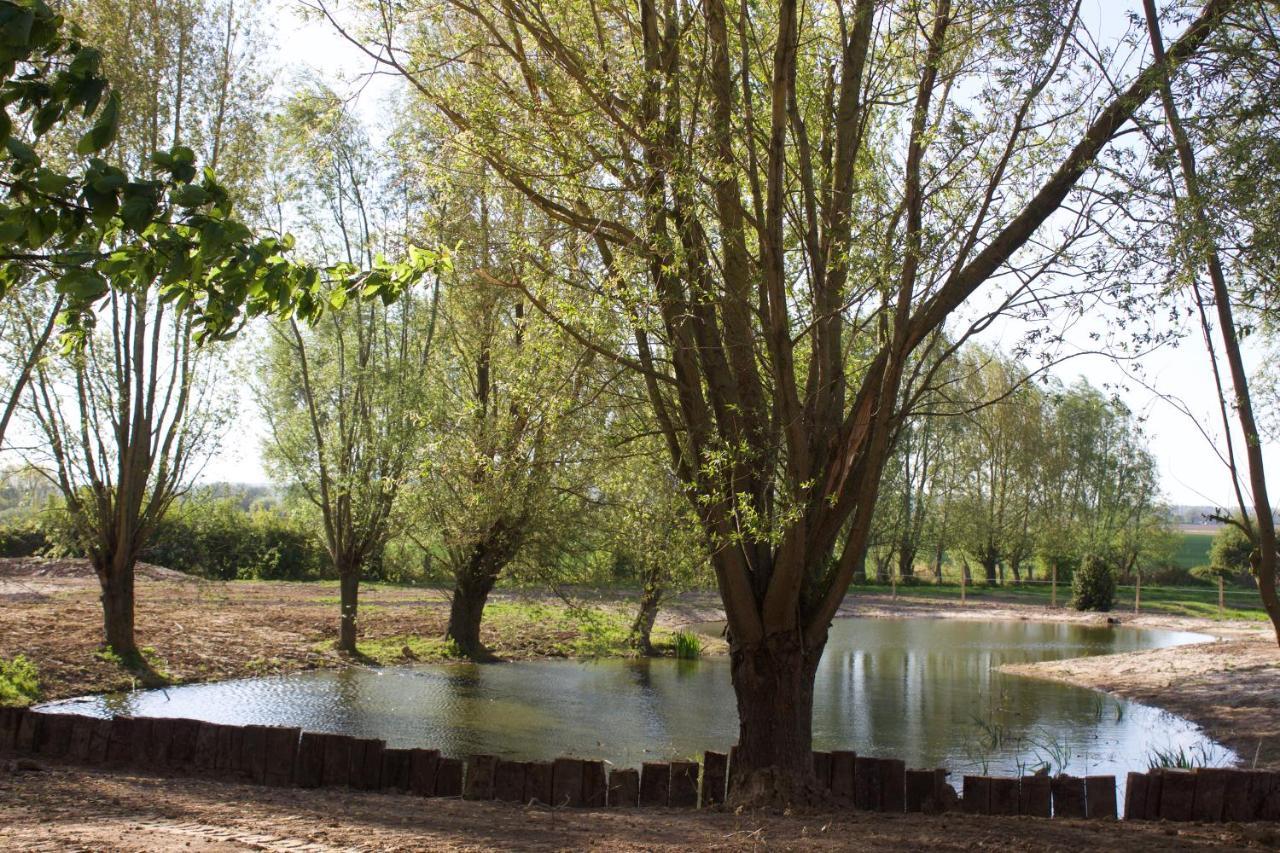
(687, 645)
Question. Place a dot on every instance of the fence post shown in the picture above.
(1137, 593)
(1222, 599)
(1053, 594)
(962, 584)
(893, 579)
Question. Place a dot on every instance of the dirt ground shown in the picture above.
(66, 808)
(199, 630)
(203, 630)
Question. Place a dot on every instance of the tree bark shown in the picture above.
(646, 615)
(773, 681)
(349, 594)
(470, 594)
(115, 576)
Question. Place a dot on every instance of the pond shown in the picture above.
(926, 691)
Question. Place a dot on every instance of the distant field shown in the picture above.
(1193, 550)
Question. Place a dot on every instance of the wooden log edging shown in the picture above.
(285, 756)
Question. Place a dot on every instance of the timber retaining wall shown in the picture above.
(283, 756)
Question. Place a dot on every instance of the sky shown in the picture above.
(1190, 471)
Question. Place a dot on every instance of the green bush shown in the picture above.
(1093, 585)
(216, 538)
(23, 538)
(19, 682)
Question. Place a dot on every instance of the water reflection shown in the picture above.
(923, 690)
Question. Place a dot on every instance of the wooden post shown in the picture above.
(1053, 595)
(893, 580)
(1137, 593)
(962, 584)
(1222, 599)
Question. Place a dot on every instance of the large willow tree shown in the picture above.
(787, 200)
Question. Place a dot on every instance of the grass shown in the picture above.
(19, 682)
(406, 647)
(1193, 550)
(1242, 604)
(687, 645)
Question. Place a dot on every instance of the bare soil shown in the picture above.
(202, 630)
(199, 630)
(66, 808)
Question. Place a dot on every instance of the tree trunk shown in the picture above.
(349, 592)
(116, 579)
(906, 562)
(989, 567)
(937, 564)
(642, 628)
(470, 594)
(1015, 565)
(773, 682)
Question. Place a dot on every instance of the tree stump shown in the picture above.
(822, 768)
(310, 765)
(595, 786)
(655, 783)
(395, 770)
(1035, 796)
(1100, 797)
(1004, 796)
(449, 777)
(182, 742)
(1135, 796)
(682, 792)
(843, 762)
(1177, 794)
(893, 785)
(253, 752)
(624, 787)
(538, 779)
(508, 781)
(866, 783)
(566, 782)
(478, 784)
(422, 771)
(366, 764)
(337, 761)
(715, 773)
(977, 795)
(1068, 796)
(1210, 799)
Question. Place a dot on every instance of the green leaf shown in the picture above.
(82, 284)
(139, 205)
(103, 132)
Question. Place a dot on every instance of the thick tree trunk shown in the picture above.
(937, 564)
(906, 562)
(646, 615)
(116, 579)
(773, 682)
(989, 562)
(470, 594)
(349, 592)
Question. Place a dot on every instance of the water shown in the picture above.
(922, 690)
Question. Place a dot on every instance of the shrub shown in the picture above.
(687, 645)
(1093, 585)
(217, 538)
(23, 539)
(19, 682)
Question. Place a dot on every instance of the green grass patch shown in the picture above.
(19, 682)
(1241, 604)
(1193, 550)
(406, 648)
(571, 632)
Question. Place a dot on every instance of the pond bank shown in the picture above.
(67, 808)
(212, 631)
